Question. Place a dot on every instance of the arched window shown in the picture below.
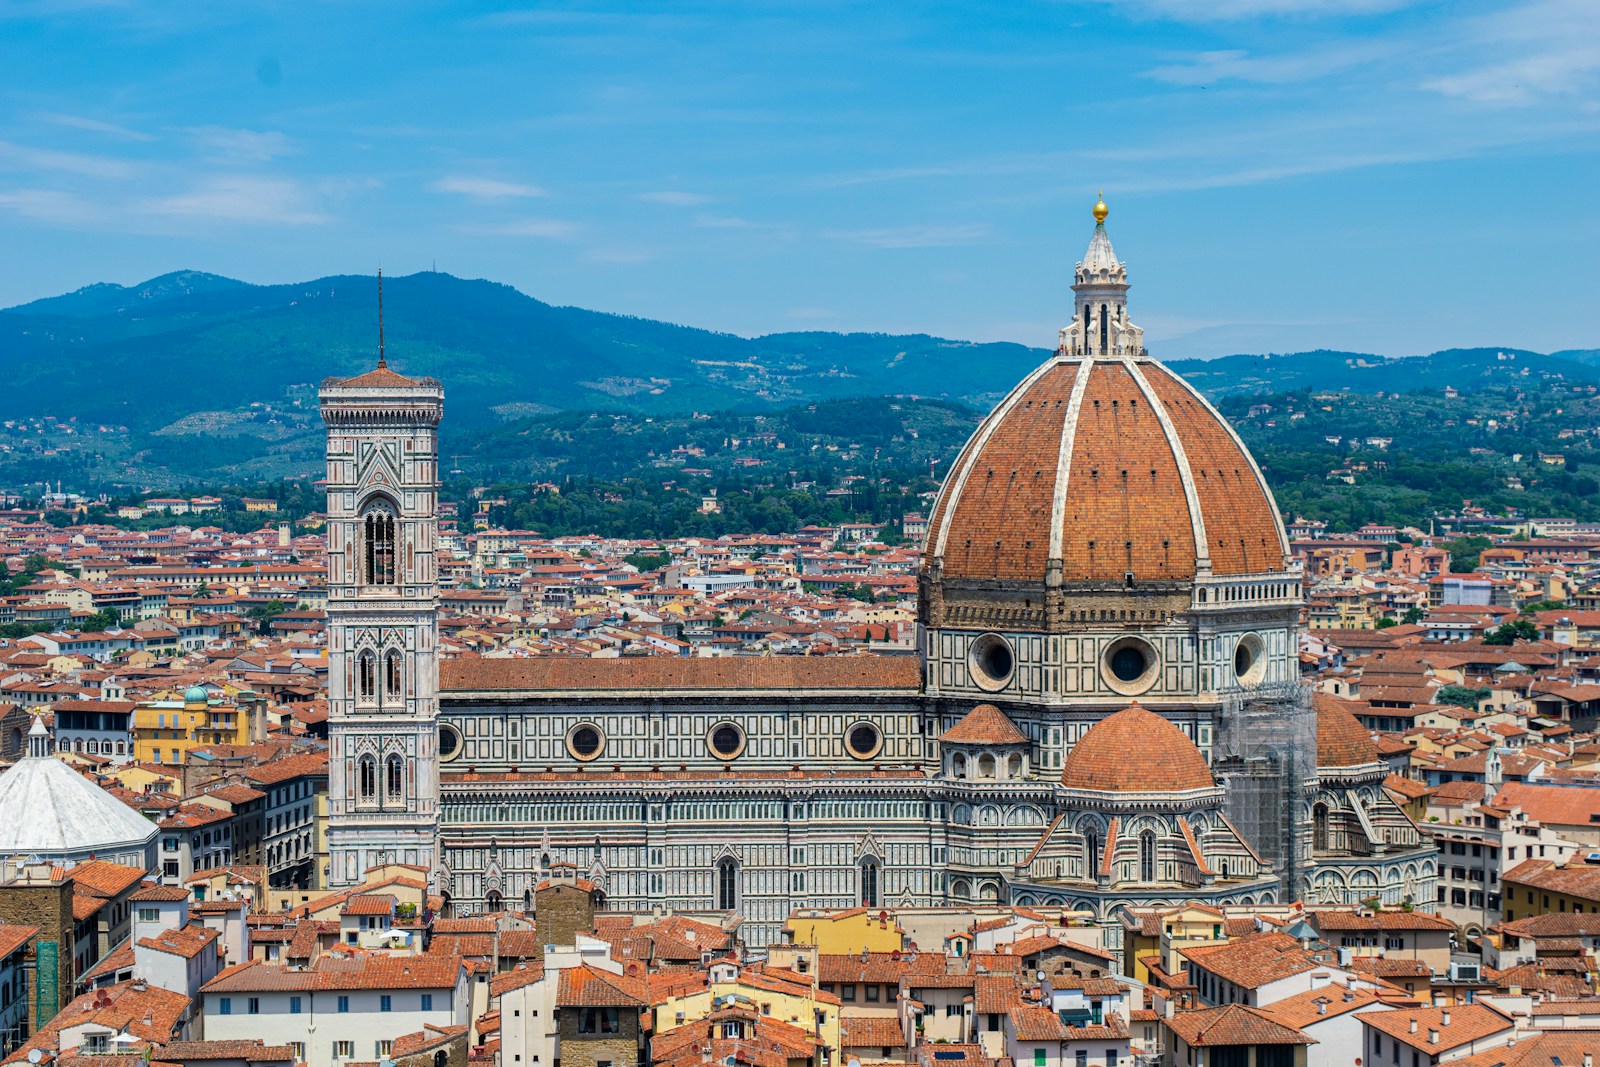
(1147, 856)
(94, 747)
(1319, 828)
(527, 900)
(869, 882)
(958, 766)
(393, 778)
(727, 884)
(986, 766)
(366, 778)
(1103, 329)
(367, 676)
(393, 676)
(1091, 851)
(493, 901)
(1014, 766)
(378, 541)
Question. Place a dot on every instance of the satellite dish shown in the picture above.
(34, 1055)
(853, 1062)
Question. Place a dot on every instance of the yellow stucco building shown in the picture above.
(165, 730)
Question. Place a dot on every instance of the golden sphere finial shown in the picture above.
(1100, 209)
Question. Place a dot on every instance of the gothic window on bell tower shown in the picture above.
(367, 677)
(393, 677)
(393, 778)
(366, 778)
(379, 559)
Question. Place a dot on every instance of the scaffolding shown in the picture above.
(1265, 754)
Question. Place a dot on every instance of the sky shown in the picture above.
(1373, 175)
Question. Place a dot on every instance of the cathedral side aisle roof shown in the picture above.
(1341, 740)
(669, 672)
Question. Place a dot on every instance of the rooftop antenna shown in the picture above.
(381, 361)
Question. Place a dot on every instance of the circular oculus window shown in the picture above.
(1130, 665)
(863, 740)
(726, 741)
(1249, 660)
(450, 743)
(991, 662)
(585, 742)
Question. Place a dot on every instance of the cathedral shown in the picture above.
(1105, 711)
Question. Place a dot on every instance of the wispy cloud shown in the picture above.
(1537, 51)
(1212, 68)
(723, 222)
(236, 147)
(620, 254)
(17, 157)
(49, 205)
(110, 129)
(676, 199)
(239, 198)
(914, 236)
(557, 229)
(486, 188)
(1229, 10)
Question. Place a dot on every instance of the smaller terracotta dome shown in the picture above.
(985, 725)
(1341, 740)
(1136, 751)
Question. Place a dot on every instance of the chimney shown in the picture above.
(1433, 1036)
(1322, 1006)
(1413, 1026)
(1588, 1059)
(1444, 1017)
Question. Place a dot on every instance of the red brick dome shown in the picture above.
(1136, 751)
(1111, 465)
(1341, 740)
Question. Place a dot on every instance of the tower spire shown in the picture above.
(381, 361)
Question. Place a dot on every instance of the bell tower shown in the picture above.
(383, 626)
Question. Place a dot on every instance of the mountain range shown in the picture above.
(188, 352)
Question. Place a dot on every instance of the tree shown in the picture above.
(1384, 624)
(648, 561)
(1511, 632)
(1464, 553)
(1461, 696)
(101, 621)
(263, 614)
(1413, 616)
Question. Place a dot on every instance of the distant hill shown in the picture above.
(191, 373)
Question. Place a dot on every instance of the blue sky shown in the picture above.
(1283, 174)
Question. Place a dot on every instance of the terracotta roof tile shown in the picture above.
(1234, 1024)
(1341, 740)
(985, 725)
(1135, 751)
(1467, 1023)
